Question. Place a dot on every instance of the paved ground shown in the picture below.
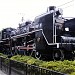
(2, 73)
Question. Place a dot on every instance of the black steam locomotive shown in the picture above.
(49, 36)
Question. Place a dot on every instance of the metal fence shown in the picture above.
(11, 67)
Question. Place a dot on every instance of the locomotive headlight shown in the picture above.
(67, 29)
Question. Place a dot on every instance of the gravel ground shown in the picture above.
(2, 73)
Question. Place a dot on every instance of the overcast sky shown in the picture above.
(11, 11)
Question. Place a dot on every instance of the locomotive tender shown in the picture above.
(49, 36)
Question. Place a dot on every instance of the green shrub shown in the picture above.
(66, 66)
(35, 62)
(3, 55)
(73, 73)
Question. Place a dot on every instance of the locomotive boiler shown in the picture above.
(49, 36)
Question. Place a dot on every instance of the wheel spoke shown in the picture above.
(37, 55)
(58, 55)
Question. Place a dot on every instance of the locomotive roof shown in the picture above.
(8, 28)
(42, 15)
(68, 20)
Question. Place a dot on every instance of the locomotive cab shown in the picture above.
(50, 26)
